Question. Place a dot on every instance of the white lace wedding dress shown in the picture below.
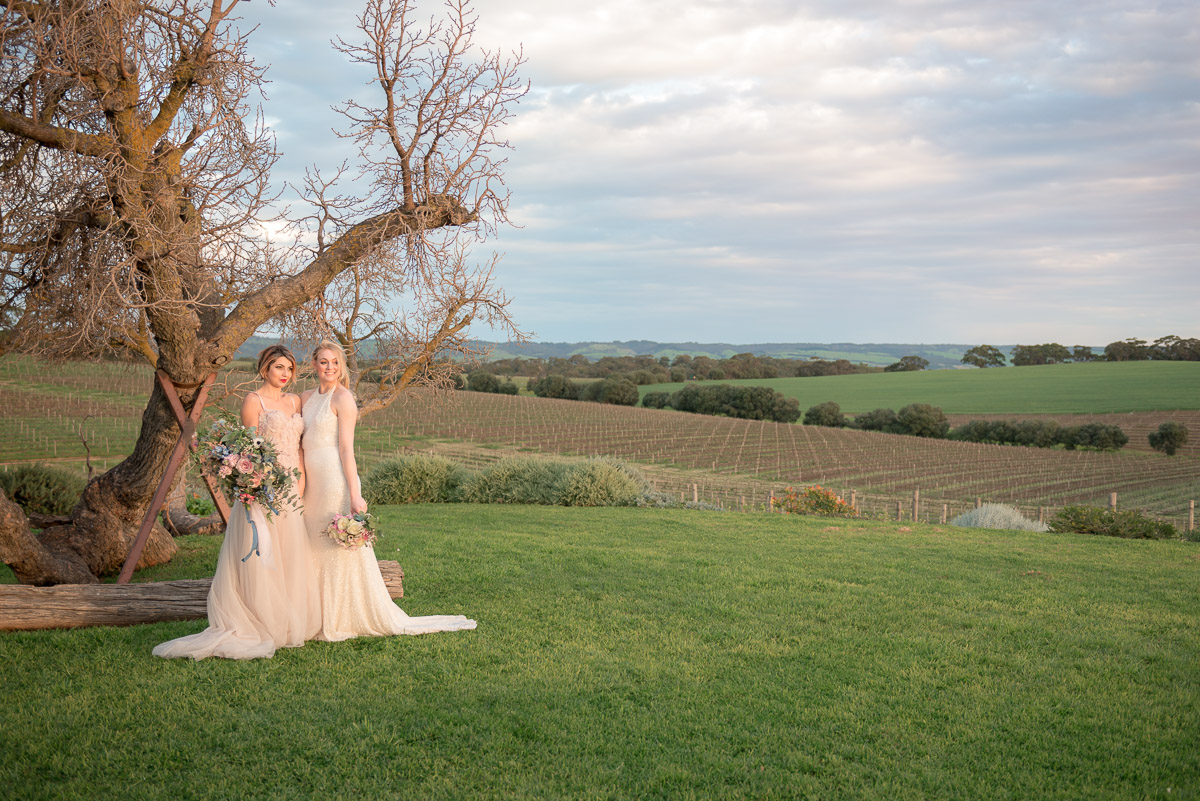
(270, 600)
(354, 599)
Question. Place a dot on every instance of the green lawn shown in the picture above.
(1088, 388)
(627, 653)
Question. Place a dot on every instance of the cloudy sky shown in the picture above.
(824, 170)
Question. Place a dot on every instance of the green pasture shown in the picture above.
(1087, 388)
(626, 653)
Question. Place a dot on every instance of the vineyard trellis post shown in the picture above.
(187, 430)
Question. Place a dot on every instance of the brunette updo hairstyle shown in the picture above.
(325, 344)
(267, 357)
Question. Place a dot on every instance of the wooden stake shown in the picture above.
(916, 504)
(187, 429)
(945, 512)
(1112, 501)
(1191, 515)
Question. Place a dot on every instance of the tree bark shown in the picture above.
(77, 605)
(31, 559)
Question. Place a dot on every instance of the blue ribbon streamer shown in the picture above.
(254, 528)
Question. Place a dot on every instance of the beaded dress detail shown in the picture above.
(354, 598)
(270, 600)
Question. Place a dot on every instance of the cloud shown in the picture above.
(826, 171)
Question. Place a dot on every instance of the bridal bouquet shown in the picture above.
(246, 465)
(352, 531)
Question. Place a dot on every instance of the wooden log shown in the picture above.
(69, 606)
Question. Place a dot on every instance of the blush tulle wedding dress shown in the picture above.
(270, 600)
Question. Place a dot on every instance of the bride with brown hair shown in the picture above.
(266, 599)
(354, 599)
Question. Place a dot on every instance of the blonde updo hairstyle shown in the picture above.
(325, 344)
(268, 356)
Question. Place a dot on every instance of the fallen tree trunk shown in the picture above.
(68, 606)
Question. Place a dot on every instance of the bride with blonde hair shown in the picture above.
(353, 597)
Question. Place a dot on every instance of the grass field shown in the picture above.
(627, 653)
(1087, 388)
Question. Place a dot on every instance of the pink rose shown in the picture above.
(245, 465)
(225, 471)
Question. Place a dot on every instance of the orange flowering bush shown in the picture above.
(813, 501)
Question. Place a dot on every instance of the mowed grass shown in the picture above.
(1088, 388)
(627, 653)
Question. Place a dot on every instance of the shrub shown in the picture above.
(618, 391)
(656, 400)
(414, 478)
(784, 409)
(41, 489)
(751, 403)
(877, 420)
(555, 386)
(480, 381)
(998, 516)
(508, 388)
(200, 505)
(1036, 433)
(825, 414)
(1169, 438)
(923, 420)
(812, 501)
(1094, 435)
(518, 479)
(653, 499)
(1130, 524)
(602, 482)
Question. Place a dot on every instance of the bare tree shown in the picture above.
(134, 187)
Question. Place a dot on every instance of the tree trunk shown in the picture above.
(31, 560)
(106, 520)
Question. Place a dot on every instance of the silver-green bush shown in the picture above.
(415, 478)
(519, 479)
(998, 516)
(602, 482)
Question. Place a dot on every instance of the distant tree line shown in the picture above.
(728, 400)
(924, 420)
(614, 389)
(661, 370)
(1168, 348)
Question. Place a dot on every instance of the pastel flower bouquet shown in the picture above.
(352, 531)
(247, 467)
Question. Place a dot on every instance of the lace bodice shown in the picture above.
(282, 430)
(320, 423)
